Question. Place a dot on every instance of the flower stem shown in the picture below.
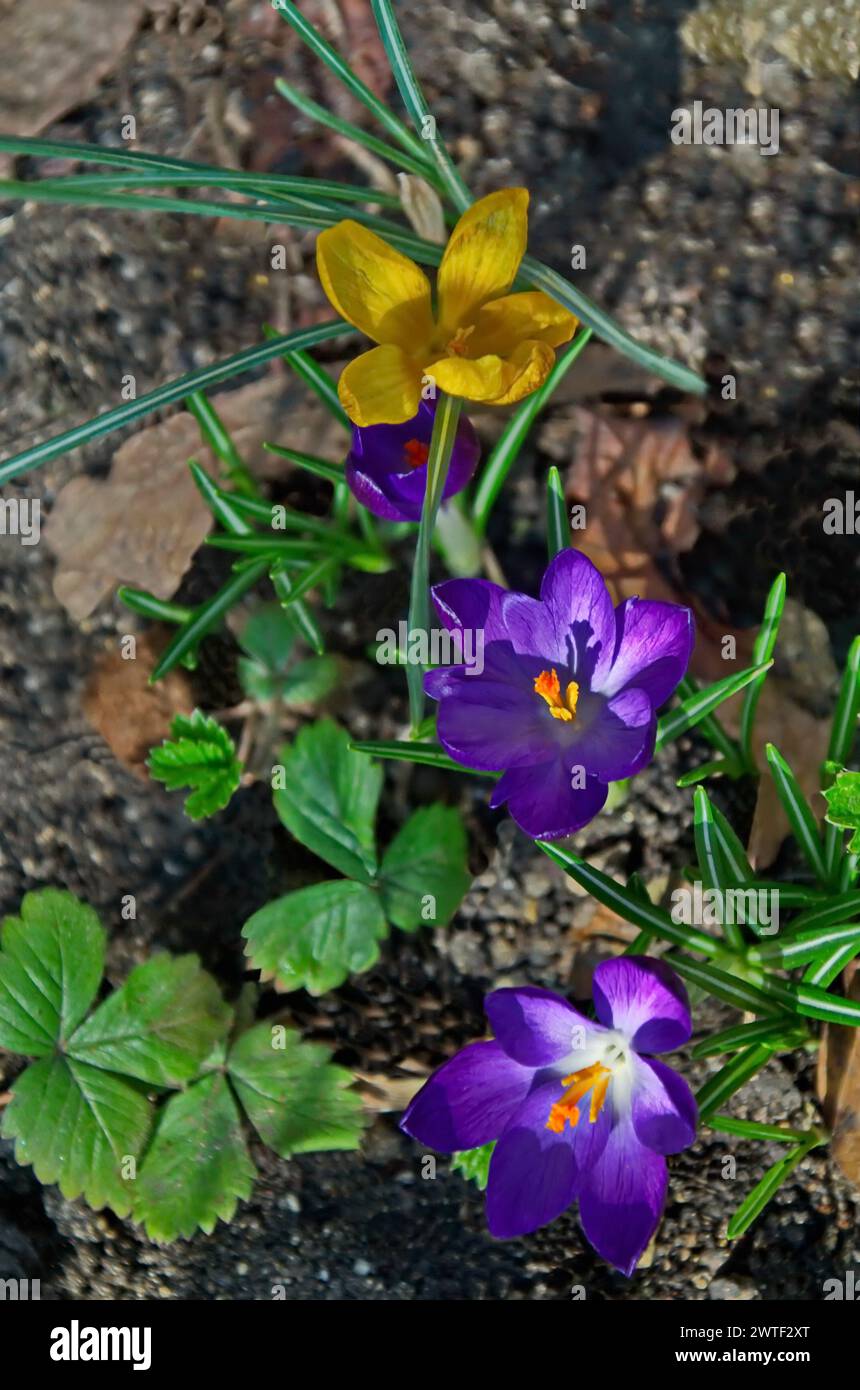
(441, 445)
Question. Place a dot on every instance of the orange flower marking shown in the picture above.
(596, 1079)
(547, 686)
(415, 453)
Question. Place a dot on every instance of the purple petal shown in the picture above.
(620, 741)
(544, 804)
(664, 1112)
(379, 475)
(645, 1000)
(369, 493)
(535, 1173)
(622, 1198)
(501, 615)
(495, 719)
(653, 646)
(469, 1100)
(535, 1026)
(580, 608)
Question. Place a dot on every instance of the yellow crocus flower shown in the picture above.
(481, 343)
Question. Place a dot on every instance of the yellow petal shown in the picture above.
(373, 286)
(532, 316)
(381, 387)
(473, 379)
(525, 370)
(493, 379)
(483, 256)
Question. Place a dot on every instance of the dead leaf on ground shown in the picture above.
(58, 55)
(130, 714)
(839, 1084)
(143, 524)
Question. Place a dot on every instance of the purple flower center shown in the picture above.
(548, 687)
(415, 454)
(595, 1079)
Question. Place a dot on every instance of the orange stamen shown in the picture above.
(548, 687)
(596, 1079)
(415, 453)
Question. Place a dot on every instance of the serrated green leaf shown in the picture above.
(843, 806)
(197, 1167)
(51, 966)
(314, 938)
(199, 754)
(310, 681)
(427, 858)
(330, 797)
(268, 637)
(77, 1125)
(159, 1026)
(474, 1164)
(297, 1101)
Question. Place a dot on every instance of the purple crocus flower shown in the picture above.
(567, 698)
(386, 468)
(577, 1110)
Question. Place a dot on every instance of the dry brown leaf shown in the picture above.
(58, 54)
(839, 1084)
(130, 714)
(143, 524)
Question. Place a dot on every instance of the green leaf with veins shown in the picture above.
(51, 966)
(474, 1164)
(297, 1101)
(76, 1125)
(314, 938)
(159, 1026)
(329, 799)
(199, 754)
(197, 1167)
(843, 806)
(427, 857)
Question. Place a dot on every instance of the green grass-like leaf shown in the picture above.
(199, 754)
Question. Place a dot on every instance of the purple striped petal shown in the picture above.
(501, 615)
(653, 646)
(469, 1100)
(535, 1173)
(664, 1111)
(620, 741)
(535, 1026)
(580, 609)
(645, 1000)
(622, 1198)
(495, 719)
(544, 804)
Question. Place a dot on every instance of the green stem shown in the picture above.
(441, 446)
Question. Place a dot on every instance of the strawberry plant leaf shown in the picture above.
(79, 1126)
(843, 806)
(199, 754)
(51, 966)
(474, 1164)
(159, 1026)
(297, 1101)
(197, 1167)
(327, 798)
(314, 938)
(424, 877)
